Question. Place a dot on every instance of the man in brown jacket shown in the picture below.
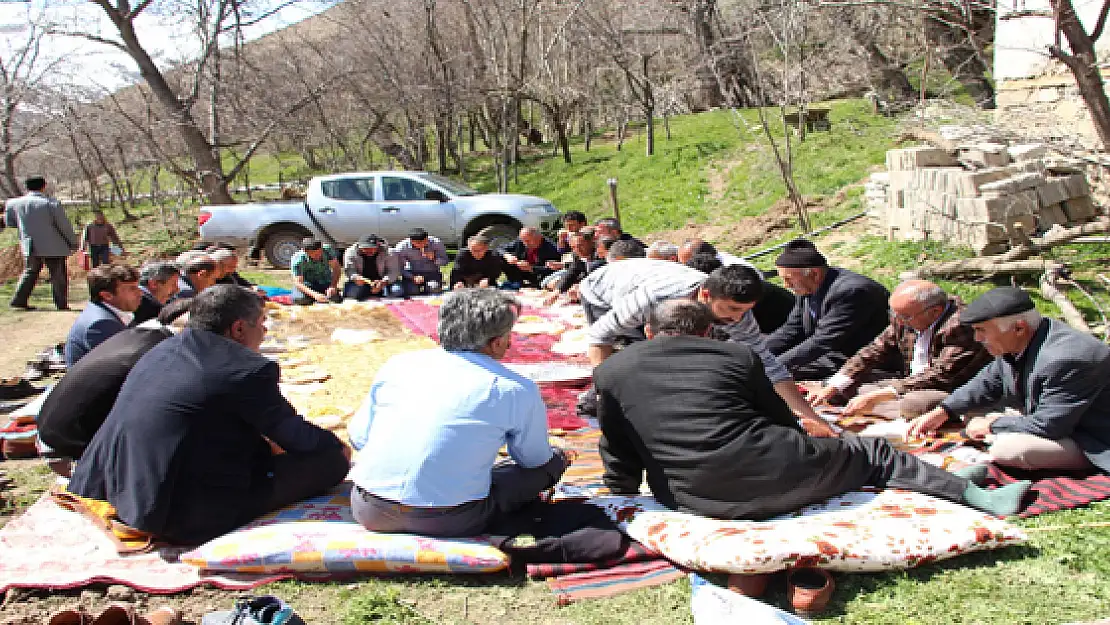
(926, 341)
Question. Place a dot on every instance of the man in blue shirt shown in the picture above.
(426, 461)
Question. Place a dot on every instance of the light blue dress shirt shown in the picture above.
(429, 430)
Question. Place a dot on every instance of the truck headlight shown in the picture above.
(539, 209)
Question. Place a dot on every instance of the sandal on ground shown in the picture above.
(75, 616)
(165, 615)
(116, 614)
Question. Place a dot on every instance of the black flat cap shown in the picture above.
(800, 253)
(369, 241)
(1000, 302)
(418, 234)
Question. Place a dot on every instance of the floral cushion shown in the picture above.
(857, 531)
(320, 536)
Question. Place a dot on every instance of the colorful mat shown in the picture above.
(421, 317)
(613, 581)
(635, 553)
(51, 548)
(1052, 493)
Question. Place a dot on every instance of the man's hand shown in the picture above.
(554, 265)
(862, 404)
(359, 279)
(512, 260)
(824, 395)
(598, 353)
(980, 427)
(818, 428)
(572, 294)
(458, 285)
(550, 299)
(927, 423)
(331, 292)
(320, 298)
(524, 265)
(483, 283)
(429, 254)
(418, 279)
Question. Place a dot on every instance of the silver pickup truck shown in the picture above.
(343, 207)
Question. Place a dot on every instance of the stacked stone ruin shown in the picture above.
(985, 196)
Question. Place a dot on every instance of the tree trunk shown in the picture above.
(1083, 63)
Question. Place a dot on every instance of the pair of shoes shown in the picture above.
(16, 388)
(24, 307)
(20, 448)
(262, 610)
(117, 614)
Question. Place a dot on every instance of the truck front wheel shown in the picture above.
(500, 233)
(281, 245)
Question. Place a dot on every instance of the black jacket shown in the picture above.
(182, 453)
(80, 402)
(773, 309)
(148, 309)
(470, 271)
(547, 252)
(851, 311)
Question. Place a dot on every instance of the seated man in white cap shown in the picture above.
(1056, 376)
(836, 312)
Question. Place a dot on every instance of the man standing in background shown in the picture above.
(46, 237)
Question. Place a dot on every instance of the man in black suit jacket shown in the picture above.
(526, 259)
(703, 421)
(80, 402)
(185, 454)
(113, 297)
(1056, 376)
(836, 312)
(158, 281)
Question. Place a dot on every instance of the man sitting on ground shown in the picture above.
(663, 250)
(228, 259)
(925, 343)
(316, 274)
(700, 418)
(618, 298)
(371, 269)
(1057, 377)
(428, 467)
(611, 227)
(836, 312)
(158, 282)
(476, 266)
(584, 263)
(421, 258)
(198, 272)
(187, 452)
(529, 260)
(773, 307)
(80, 402)
(113, 297)
(573, 222)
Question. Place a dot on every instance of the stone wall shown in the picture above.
(978, 196)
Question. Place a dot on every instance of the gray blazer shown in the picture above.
(1064, 390)
(388, 266)
(43, 223)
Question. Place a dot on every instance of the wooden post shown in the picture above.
(613, 198)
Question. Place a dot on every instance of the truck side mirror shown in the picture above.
(435, 194)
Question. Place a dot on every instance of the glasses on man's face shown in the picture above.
(899, 318)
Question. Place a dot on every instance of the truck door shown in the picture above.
(404, 208)
(346, 208)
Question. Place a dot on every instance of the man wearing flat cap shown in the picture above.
(372, 270)
(836, 312)
(1056, 376)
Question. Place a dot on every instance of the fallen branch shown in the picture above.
(1094, 302)
(1071, 314)
(931, 137)
(1017, 253)
(986, 266)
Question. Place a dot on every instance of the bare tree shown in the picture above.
(1082, 60)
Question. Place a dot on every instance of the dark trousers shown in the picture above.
(512, 487)
(298, 476)
(59, 280)
(300, 298)
(820, 369)
(844, 464)
(433, 283)
(99, 255)
(525, 278)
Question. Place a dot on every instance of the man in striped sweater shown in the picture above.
(619, 297)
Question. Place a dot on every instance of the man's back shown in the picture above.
(425, 448)
(78, 405)
(700, 417)
(42, 220)
(177, 455)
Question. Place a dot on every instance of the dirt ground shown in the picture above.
(744, 234)
(27, 333)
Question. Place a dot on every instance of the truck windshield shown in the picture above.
(454, 188)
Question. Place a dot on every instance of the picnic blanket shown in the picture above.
(49, 547)
(421, 316)
(638, 567)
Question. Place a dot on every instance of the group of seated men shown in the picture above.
(188, 436)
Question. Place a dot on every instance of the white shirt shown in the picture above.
(125, 317)
(921, 346)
